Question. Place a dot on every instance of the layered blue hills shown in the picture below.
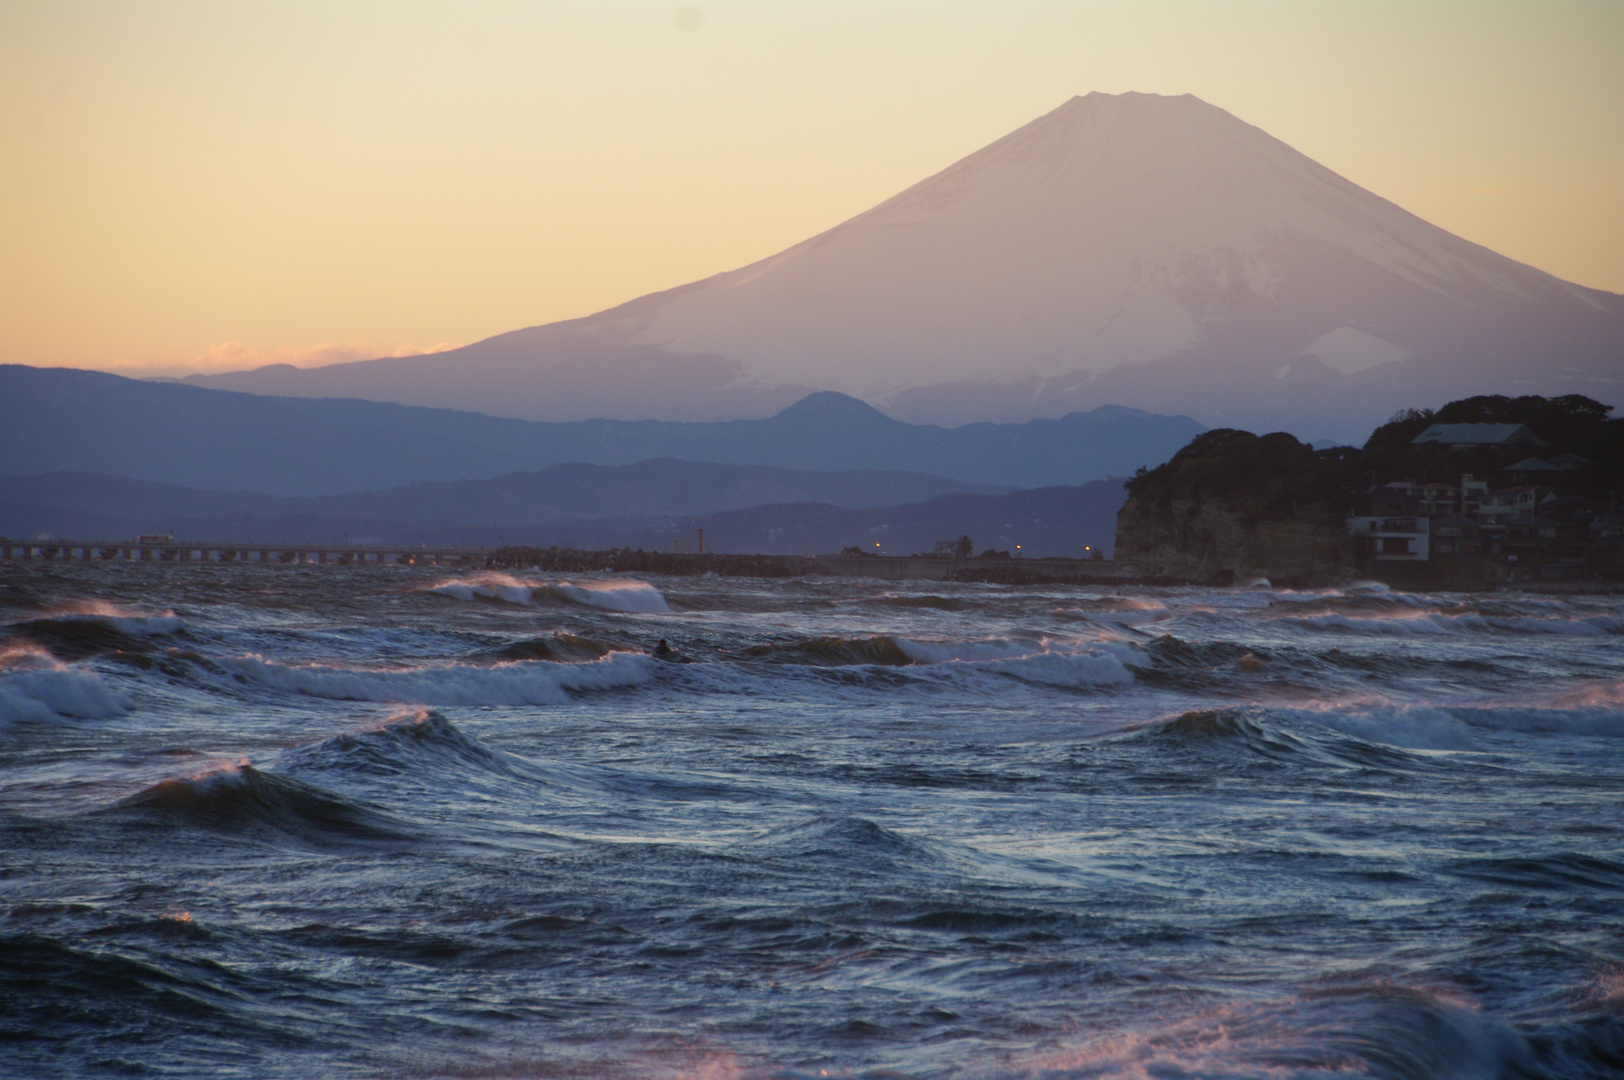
(65, 420)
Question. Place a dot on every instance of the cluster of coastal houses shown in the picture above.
(1468, 532)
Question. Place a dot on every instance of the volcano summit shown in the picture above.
(1133, 249)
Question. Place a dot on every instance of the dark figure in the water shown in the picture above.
(663, 651)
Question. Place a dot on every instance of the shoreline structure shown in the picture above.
(1058, 571)
(678, 564)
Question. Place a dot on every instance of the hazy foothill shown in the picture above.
(94, 455)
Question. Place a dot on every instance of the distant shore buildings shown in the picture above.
(1473, 436)
(1468, 533)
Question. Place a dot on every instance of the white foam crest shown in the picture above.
(1409, 624)
(1462, 727)
(1296, 1040)
(220, 777)
(124, 620)
(139, 625)
(1590, 626)
(526, 682)
(1415, 727)
(1404, 625)
(1128, 618)
(631, 597)
(1127, 612)
(1535, 720)
(488, 586)
(1369, 590)
(1068, 669)
(945, 652)
(636, 597)
(1043, 660)
(1607, 694)
(26, 656)
(41, 689)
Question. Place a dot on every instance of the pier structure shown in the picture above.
(882, 567)
(921, 568)
(186, 551)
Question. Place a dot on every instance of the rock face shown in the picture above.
(1213, 541)
(1232, 506)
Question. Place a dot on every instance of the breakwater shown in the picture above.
(574, 560)
(883, 567)
(168, 549)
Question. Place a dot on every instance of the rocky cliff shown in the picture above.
(1233, 506)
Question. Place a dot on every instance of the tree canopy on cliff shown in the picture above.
(1231, 503)
(1272, 475)
(1572, 424)
(1262, 475)
(1568, 419)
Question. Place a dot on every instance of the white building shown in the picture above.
(1392, 539)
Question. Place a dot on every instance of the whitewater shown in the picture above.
(319, 821)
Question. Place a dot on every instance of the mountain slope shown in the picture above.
(56, 420)
(1132, 249)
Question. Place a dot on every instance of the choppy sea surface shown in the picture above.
(386, 822)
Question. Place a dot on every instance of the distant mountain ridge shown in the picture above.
(1131, 249)
(62, 420)
(663, 487)
(1055, 521)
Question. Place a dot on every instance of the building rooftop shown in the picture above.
(1475, 435)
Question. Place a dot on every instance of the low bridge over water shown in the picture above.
(185, 551)
(884, 567)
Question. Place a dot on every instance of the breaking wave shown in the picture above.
(1044, 661)
(1393, 1032)
(246, 800)
(1047, 661)
(631, 597)
(1211, 731)
(850, 842)
(1413, 622)
(939, 603)
(835, 651)
(124, 620)
(562, 648)
(1117, 611)
(1407, 727)
(91, 627)
(402, 744)
(533, 682)
(35, 686)
(1414, 727)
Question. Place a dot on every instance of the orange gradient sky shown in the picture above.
(217, 185)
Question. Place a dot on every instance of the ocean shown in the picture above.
(319, 821)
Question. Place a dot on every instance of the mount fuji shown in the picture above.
(1133, 249)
